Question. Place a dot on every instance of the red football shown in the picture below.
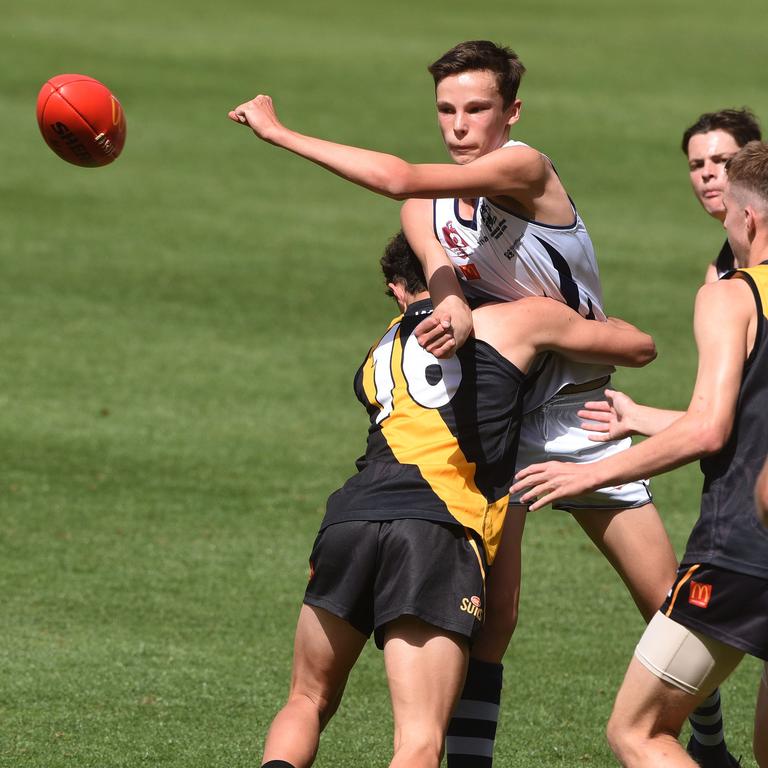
(80, 119)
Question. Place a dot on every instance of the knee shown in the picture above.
(321, 705)
(631, 742)
(502, 610)
(624, 740)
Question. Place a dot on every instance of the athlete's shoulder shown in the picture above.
(519, 156)
(722, 303)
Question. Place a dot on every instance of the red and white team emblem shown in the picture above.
(455, 241)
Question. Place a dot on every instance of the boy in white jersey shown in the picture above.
(502, 189)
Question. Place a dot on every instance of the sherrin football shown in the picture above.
(81, 120)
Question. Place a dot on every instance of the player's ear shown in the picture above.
(399, 292)
(513, 111)
(750, 222)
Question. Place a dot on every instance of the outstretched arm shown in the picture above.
(722, 320)
(449, 326)
(502, 172)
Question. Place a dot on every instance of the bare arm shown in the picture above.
(449, 326)
(619, 416)
(521, 329)
(502, 172)
(614, 342)
(761, 495)
(724, 312)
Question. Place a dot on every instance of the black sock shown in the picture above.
(472, 729)
(277, 764)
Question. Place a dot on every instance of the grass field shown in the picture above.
(180, 331)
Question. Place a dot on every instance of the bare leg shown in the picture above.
(502, 592)
(760, 738)
(647, 718)
(325, 649)
(636, 544)
(425, 668)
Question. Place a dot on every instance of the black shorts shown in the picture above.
(371, 572)
(728, 606)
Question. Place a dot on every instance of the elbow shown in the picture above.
(711, 438)
(397, 182)
(644, 353)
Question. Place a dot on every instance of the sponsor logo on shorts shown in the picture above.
(700, 594)
(472, 606)
(311, 571)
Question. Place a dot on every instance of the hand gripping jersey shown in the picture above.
(443, 435)
(728, 533)
(501, 255)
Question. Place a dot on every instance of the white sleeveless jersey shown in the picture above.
(501, 255)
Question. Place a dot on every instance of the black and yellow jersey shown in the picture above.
(443, 435)
(728, 533)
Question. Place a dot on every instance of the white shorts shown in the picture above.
(553, 432)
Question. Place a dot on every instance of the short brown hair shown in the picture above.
(748, 169)
(482, 54)
(739, 123)
(401, 265)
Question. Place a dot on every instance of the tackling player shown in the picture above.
(718, 608)
(403, 546)
(708, 144)
(507, 224)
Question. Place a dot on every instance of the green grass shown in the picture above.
(180, 331)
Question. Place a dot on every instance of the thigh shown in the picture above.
(636, 544)
(425, 669)
(325, 649)
(688, 660)
(672, 672)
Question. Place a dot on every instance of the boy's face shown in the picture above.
(707, 156)
(471, 114)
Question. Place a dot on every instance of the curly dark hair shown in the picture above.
(401, 265)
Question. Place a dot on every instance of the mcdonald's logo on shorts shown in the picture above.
(699, 594)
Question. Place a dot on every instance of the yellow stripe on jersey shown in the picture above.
(759, 275)
(419, 435)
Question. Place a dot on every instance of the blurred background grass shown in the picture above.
(180, 330)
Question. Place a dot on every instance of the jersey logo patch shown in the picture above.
(455, 241)
(699, 594)
(470, 271)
